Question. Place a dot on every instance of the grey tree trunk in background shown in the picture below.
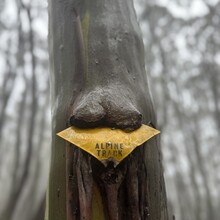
(98, 79)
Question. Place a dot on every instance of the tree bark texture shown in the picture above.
(98, 79)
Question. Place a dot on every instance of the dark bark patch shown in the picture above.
(109, 106)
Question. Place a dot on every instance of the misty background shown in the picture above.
(182, 44)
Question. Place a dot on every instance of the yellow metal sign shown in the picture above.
(108, 144)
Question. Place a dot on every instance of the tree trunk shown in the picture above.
(98, 79)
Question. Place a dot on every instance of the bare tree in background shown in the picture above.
(21, 155)
(184, 65)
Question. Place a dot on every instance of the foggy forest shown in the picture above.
(182, 57)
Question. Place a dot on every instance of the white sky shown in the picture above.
(197, 8)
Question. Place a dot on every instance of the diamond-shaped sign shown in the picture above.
(108, 144)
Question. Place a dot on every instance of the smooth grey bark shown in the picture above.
(98, 79)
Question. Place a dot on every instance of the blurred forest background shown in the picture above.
(182, 43)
